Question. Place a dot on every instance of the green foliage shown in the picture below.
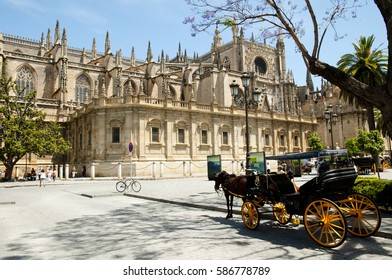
(378, 189)
(370, 142)
(352, 146)
(315, 142)
(228, 22)
(368, 65)
(23, 128)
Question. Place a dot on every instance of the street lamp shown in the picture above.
(245, 79)
(331, 119)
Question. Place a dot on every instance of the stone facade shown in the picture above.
(175, 111)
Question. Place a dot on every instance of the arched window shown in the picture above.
(25, 80)
(260, 65)
(226, 62)
(82, 89)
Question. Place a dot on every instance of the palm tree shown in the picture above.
(368, 66)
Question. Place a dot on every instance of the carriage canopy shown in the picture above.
(308, 155)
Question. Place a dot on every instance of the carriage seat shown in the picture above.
(333, 180)
(284, 184)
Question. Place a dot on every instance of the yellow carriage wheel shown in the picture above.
(250, 215)
(325, 223)
(362, 214)
(281, 214)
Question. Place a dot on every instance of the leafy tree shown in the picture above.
(352, 146)
(315, 142)
(370, 142)
(273, 17)
(368, 66)
(23, 128)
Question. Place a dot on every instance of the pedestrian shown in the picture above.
(74, 172)
(84, 171)
(280, 170)
(50, 174)
(42, 177)
(39, 172)
(33, 174)
(242, 166)
(54, 174)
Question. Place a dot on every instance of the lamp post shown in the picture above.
(245, 79)
(331, 119)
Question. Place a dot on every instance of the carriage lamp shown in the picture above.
(331, 119)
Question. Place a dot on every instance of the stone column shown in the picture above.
(61, 171)
(153, 170)
(119, 169)
(66, 171)
(92, 170)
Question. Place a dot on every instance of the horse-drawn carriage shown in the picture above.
(327, 204)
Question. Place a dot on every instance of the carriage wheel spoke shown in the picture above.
(325, 223)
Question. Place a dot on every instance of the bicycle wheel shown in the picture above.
(136, 186)
(120, 186)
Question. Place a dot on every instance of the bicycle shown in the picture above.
(121, 186)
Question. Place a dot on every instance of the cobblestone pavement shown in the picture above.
(170, 219)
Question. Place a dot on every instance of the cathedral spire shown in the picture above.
(64, 43)
(149, 53)
(163, 62)
(48, 40)
(42, 45)
(107, 44)
(42, 40)
(57, 33)
(94, 49)
(309, 81)
(185, 57)
(242, 36)
(280, 42)
(179, 52)
(133, 59)
(119, 58)
(252, 38)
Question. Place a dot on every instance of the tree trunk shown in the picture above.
(370, 116)
(10, 169)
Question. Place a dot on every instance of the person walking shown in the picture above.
(74, 172)
(54, 174)
(42, 177)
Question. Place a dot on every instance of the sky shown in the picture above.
(133, 23)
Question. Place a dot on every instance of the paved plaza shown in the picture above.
(171, 219)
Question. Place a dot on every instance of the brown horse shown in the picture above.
(232, 185)
(272, 187)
